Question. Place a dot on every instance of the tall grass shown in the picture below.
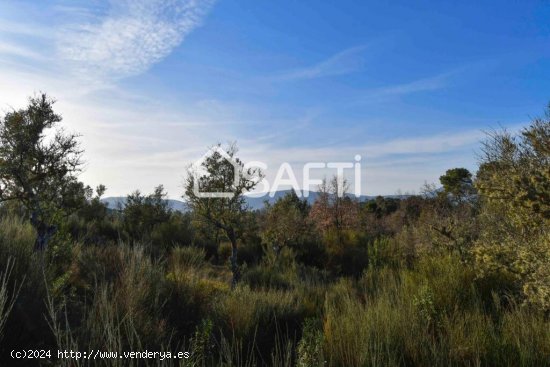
(24, 286)
(16, 247)
(7, 295)
(428, 316)
(432, 312)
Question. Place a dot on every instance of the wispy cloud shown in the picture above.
(427, 84)
(419, 145)
(24, 29)
(435, 82)
(79, 60)
(9, 49)
(130, 37)
(439, 143)
(399, 163)
(138, 137)
(420, 85)
(343, 62)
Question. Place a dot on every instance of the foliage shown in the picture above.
(36, 172)
(143, 213)
(458, 183)
(286, 223)
(333, 208)
(310, 347)
(514, 179)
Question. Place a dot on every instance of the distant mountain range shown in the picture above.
(116, 202)
(253, 202)
(258, 202)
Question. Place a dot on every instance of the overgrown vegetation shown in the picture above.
(457, 276)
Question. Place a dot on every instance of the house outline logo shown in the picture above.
(197, 169)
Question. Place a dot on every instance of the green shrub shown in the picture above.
(424, 305)
(310, 347)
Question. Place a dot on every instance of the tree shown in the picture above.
(93, 222)
(94, 209)
(458, 183)
(39, 170)
(452, 220)
(333, 208)
(285, 222)
(222, 174)
(143, 213)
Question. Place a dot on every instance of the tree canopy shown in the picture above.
(458, 183)
(38, 167)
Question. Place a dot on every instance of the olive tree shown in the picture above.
(221, 172)
(38, 166)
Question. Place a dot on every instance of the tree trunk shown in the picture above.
(40, 242)
(217, 242)
(234, 265)
(43, 233)
(43, 236)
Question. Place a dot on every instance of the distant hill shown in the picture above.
(253, 202)
(258, 203)
(114, 202)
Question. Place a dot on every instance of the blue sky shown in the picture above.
(150, 85)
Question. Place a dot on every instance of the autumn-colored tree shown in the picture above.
(333, 209)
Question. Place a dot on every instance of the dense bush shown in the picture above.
(514, 179)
